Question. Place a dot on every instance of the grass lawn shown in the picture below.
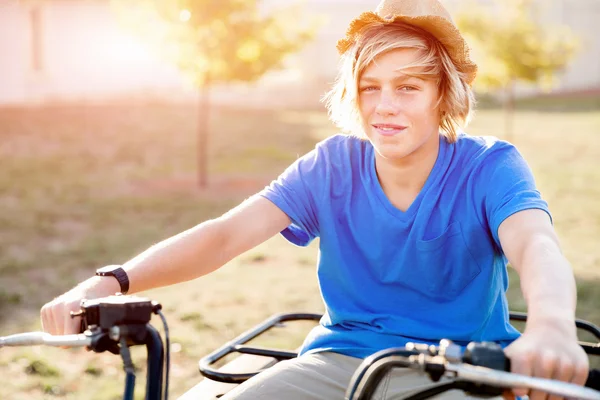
(84, 186)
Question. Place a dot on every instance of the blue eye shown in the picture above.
(407, 88)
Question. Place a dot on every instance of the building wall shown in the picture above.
(84, 54)
(14, 67)
(583, 17)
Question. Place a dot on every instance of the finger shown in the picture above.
(544, 367)
(44, 316)
(51, 329)
(43, 320)
(70, 325)
(581, 370)
(521, 364)
(57, 319)
(564, 371)
(508, 395)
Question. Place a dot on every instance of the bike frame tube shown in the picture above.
(154, 377)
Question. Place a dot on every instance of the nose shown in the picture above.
(387, 104)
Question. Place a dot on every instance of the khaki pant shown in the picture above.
(326, 376)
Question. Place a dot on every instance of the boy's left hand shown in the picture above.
(548, 350)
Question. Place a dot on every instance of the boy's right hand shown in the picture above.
(56, 315)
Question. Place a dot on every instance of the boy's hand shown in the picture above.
(55, 315)
(548, 350)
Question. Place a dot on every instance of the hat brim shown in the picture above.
(442, 29)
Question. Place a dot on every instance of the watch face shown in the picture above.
(107, 269)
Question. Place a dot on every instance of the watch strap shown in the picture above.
(119, 274)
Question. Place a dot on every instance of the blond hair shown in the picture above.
(456, 99)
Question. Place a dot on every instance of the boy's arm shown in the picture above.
(548, 347)
(206, 247)
(188, 255)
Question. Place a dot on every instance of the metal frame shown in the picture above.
(237, 345)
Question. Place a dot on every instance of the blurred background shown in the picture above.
(123, 122)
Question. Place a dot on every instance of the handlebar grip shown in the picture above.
(593, 380)
(492, 356)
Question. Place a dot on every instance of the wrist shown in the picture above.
(563, 323)
(99, 286)
(118, 273)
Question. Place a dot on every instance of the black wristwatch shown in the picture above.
(118, 272)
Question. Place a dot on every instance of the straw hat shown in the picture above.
(429, 15)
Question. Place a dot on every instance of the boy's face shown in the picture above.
(398, 112)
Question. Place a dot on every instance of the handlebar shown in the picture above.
(42, 338)
(113, 324)
(480, 369)
(510, 380)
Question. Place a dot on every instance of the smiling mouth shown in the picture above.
(388, 129)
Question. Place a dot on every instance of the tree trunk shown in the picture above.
(509, 111)
(203, 131)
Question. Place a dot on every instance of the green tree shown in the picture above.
(217, 41)
(512, 45)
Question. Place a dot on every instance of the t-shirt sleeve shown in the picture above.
(296, 193)
(509, 186)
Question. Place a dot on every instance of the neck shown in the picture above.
(411, 172)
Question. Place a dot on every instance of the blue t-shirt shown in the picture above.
(388, 277)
